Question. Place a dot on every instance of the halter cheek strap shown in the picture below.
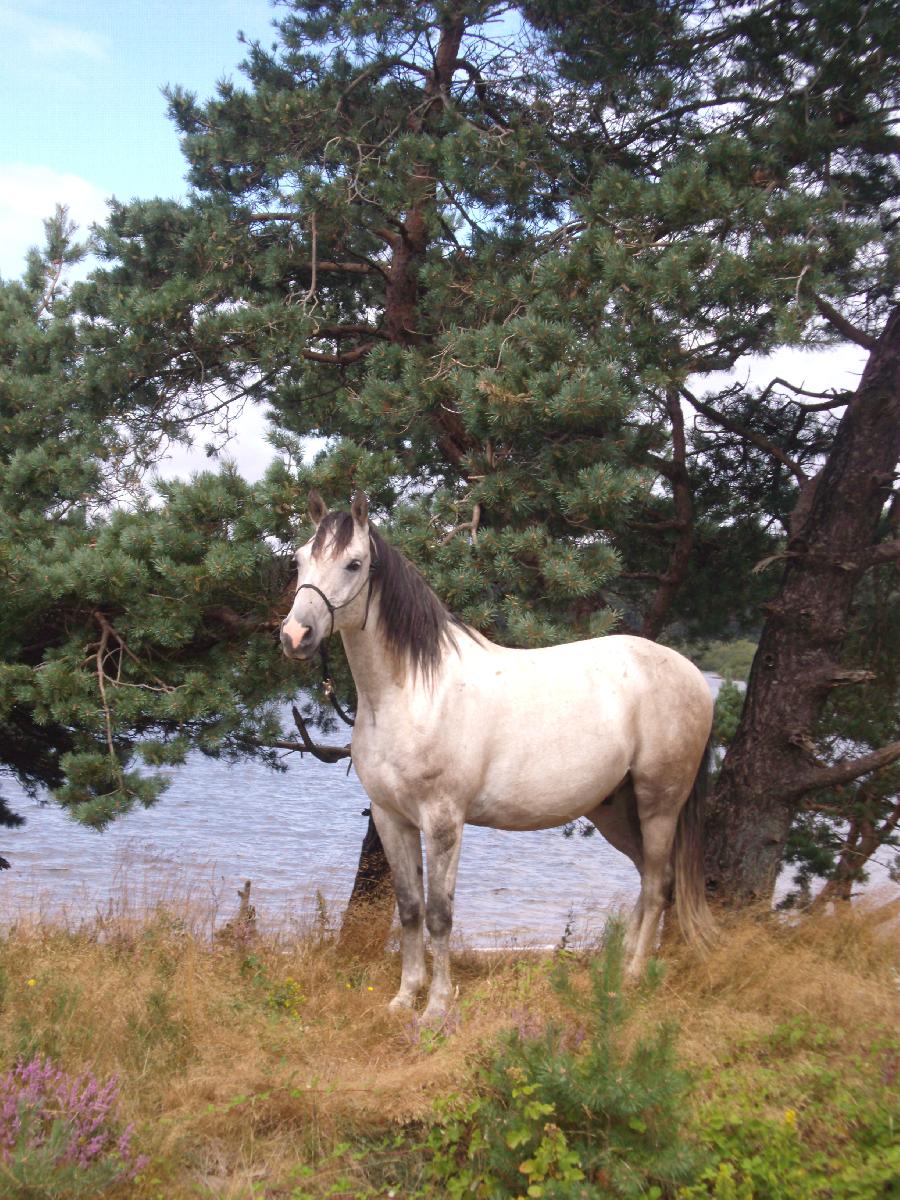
(327, 681)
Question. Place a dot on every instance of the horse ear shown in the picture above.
(359, 506)
(317, 509)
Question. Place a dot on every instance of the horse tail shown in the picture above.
(694, 917)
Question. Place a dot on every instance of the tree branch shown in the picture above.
(845, 772)
(830, 399)
(339, 360)
(329, 754)
(471, 526)
(680, 554)
(883, 553)
(749, 435)
(843, 326)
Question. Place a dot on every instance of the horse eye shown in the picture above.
(354, 566)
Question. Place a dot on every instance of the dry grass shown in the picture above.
(841, 970)
(239, 1063)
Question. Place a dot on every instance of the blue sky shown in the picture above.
(84, 119)
(83, 113)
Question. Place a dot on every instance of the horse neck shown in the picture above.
(382, 681)
(372, 665)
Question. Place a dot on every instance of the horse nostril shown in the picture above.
(296, 637)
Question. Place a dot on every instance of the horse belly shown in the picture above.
(550, 786)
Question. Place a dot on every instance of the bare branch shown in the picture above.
(749, 435)
(845, 772)
(339, 331)
(314, 238)
(679, 557)
(53, 278)
(101, 680)
(323, 753)
(339, 360)
(843, 326)
(831, 399)
(470, 526)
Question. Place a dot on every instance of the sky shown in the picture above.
(84, 119)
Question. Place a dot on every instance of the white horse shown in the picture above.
(453, 729)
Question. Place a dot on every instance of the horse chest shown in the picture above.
(401, 766)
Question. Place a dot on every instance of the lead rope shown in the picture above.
(328, 685)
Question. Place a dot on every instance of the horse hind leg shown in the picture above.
(403, 849)
(617, 820)
(658, 809)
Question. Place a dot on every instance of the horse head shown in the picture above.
(333, 577)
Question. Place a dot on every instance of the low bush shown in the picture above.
(769, 1070)
(59, 1136)
(581, 1109)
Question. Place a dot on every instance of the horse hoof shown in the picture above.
(434, 1016)
(634, 973)
(400, 1004)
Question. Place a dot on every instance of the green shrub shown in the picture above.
(573, 1111)
(837, 1140)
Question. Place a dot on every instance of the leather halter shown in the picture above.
(327, 681)
(333, 608)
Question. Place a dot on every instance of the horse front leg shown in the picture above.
(443, 839)
(403, 849)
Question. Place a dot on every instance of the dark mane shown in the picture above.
(414, 622)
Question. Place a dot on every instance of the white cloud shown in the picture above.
(30, 194)
(826, 369)
(28, 33)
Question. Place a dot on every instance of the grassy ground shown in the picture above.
(271, 1067)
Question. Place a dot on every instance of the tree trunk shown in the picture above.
(772, 755)
(370, 909)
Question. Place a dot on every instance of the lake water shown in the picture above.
(294, 835)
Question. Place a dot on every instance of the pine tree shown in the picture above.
(129, 632)
(497, 258)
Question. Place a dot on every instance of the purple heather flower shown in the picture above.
(37, 1095)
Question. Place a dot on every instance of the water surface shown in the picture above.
(294, 835)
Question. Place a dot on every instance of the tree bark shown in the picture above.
(370, 909)
(771, 761)
(680, 556)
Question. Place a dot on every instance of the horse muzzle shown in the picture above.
(298, 641)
